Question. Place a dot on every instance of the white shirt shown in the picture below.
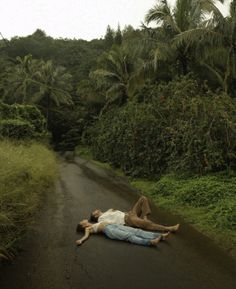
(95, 227)
(112, 217)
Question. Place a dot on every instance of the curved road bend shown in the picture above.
(50, 260)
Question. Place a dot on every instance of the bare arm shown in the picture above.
(85, 237)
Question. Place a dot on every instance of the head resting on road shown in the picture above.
(95, 215)
(82, 225)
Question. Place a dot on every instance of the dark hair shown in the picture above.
(79, 228)
(93, 218)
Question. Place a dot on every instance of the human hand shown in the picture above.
(78, 242)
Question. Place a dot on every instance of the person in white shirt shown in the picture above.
(137, 217)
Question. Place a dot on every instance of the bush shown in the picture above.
(223, 216)
(198, 192)
(33, 115)
(172, 132)
(17, 129)
(129, 138)
(22, 122)
(188, 134)
(166, 186)
(205, 191)
(203, 135)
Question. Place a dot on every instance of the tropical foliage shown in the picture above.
(22, 122)
(74, 81)
(174, 131)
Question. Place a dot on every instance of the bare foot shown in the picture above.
(174, 228)
(164, 236)
(154, 242)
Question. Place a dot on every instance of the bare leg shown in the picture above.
(141, 208)
(133, 221)
(156, 227)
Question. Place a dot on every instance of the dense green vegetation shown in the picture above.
(28, 171)
(181, 129)
(207, 202)
(21, 122)
(151, 101)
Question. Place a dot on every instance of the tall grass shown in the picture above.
(27, 170)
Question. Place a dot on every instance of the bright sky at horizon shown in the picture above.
(85, 19)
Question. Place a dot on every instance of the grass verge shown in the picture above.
(207, 202)
(27, 170)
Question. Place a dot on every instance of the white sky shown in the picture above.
(86, 19)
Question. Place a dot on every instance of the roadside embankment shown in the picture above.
(27, 170)
(206, 202)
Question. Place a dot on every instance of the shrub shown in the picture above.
(21, 122)
(33, 115)
(223, 216)
(174, 131)
(166, 186)
(205, 191)
(129, 138)
(16, 129)
(198, 191)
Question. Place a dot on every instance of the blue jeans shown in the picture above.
(129, 234)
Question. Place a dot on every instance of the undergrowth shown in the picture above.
(207, 202)
(27, 170)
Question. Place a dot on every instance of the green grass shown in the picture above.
(84, 152)
(27, 170)
(208, 203)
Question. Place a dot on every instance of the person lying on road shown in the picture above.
(136, 217)
(120, 232)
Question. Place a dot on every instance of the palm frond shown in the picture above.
(216, 73)
(194, 36)
(102, 73)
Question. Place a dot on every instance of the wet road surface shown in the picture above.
(50, 260)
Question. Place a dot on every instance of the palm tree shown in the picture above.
(216, 40)
(185, 15)
(54, 86)
(33, 81)
(18, 84)
(118, 75)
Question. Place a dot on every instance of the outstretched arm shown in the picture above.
(85, 237)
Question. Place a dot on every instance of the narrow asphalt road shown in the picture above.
(50, 260)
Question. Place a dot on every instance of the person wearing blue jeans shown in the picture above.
(120, 232)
